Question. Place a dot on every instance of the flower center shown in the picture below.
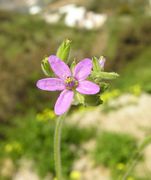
(71, 83)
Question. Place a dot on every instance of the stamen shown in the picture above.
(71, 83)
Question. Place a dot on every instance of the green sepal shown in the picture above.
(104, 75)
(78, 99)
(45, 66)
(96, 65)
(73, 64)
(64, 50)
(104, 86)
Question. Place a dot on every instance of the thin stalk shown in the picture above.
(131, 167)
(137, 155)
(57, 145)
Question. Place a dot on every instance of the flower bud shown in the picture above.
(102, 62)
(64, 50)
(46, 67)
(98, 64)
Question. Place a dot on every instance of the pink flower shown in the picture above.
(68, 82)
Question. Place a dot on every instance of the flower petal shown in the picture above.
(59, 67)
(63, 102)
(51, 84)
(88, 87)
(83, 69)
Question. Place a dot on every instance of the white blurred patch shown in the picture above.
(75, 16)
(34, 10)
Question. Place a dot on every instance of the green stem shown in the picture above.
(137, 155)
(131, 167)
(57, 142)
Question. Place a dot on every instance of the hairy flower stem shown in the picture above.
(57, 145)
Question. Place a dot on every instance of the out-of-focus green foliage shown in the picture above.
(33, 136)
(114, 150)
(130, 51)
(118, 6)
(110, 97)
(112, 94)
(134, 40)
(137, 72)
(24, 42)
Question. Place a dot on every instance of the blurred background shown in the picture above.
(97, 142)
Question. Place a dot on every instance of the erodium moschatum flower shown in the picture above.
(68, 82)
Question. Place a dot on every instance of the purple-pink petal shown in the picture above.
(88, 87)
(59, 67)
(83, 69)
(51, 84)
(64, 102)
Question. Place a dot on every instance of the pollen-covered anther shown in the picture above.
(71, 83)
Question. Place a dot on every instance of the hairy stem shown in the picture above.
(57, 145)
